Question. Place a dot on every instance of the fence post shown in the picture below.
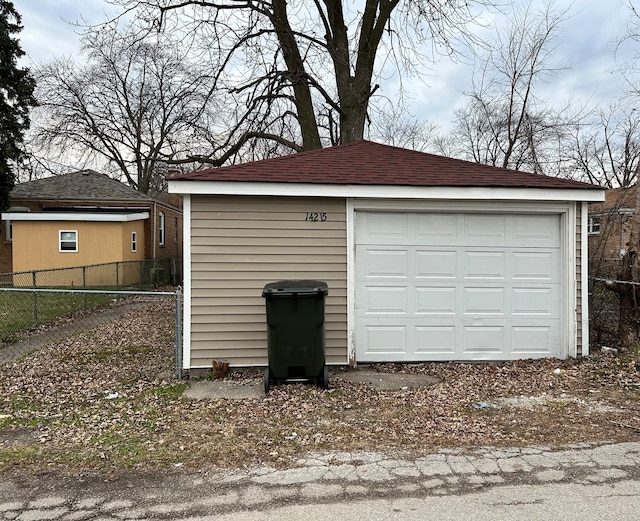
(179, 334)
(117, 276)
(84, 285)
(35, 298)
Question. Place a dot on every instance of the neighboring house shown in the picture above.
(610, 230)
(426, 257)
(85, 218)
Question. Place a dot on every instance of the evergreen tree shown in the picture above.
(16, 97)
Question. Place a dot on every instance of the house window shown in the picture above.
(134, 242)
(175, 230)
(161, 229)
(68, 240)
(594, 225)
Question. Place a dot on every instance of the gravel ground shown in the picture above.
(105, 401)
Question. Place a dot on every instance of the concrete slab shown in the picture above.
(224, 389)
(387, 381)
(253, 386)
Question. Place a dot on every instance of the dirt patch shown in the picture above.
(13, 436)
(529, 402)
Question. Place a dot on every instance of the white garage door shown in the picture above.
(445, 286)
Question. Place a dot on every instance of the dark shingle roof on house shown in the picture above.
(368, 163)
(85, 185)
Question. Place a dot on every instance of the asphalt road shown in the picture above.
(581, 482)
(567, 502)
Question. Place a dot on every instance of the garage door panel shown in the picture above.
(535, 265)
(538, 230)
(386, 300)
(445, 286)
(535, 341)
(435, 264)
(482, 301)
(484, 265)
(434, 227)
(483, 341)
(392, 228)
(435, 301)
(485, 229)
(435, 341)
(386, 263)
(535, 301)
(385, 339)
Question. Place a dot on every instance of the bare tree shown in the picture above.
(621, 164)
(406, 133)
(304, 72)
(606, 151)
(504, 123)
(135, 103)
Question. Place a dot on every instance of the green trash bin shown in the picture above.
(295, 332)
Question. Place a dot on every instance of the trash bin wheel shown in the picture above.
(267, 378)
(324, 382)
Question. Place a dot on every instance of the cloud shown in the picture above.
(587, 42)
(52, 28)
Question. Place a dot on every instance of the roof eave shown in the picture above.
(74, 216)
(191, 187)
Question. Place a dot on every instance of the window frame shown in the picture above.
(134, 242)
(161, 229)
(60, 241)
(594, 224)
(8, 231)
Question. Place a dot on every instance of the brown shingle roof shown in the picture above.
(85, 185)
(368, 163)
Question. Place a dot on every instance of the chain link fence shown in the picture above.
(604, 313)
(144, 274)
(31, 318)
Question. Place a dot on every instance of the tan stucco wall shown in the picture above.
(36, 247)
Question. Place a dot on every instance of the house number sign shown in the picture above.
(316, 216)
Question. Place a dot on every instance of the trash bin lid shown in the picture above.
(296, 287)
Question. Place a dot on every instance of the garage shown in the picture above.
(426, 257)
(457, 286)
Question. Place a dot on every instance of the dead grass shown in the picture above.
(105, 401)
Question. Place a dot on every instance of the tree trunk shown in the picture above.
(629, 294)
(354, 83)
(354, 114)
(297, 76)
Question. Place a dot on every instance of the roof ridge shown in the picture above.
(84, 184)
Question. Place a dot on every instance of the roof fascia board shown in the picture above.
(102, 202)
(69, 216)
(384, 191)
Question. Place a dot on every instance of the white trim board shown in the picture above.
(186, 282)
(384, 192)
(74, 216)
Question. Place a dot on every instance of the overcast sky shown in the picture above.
(587, 42)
